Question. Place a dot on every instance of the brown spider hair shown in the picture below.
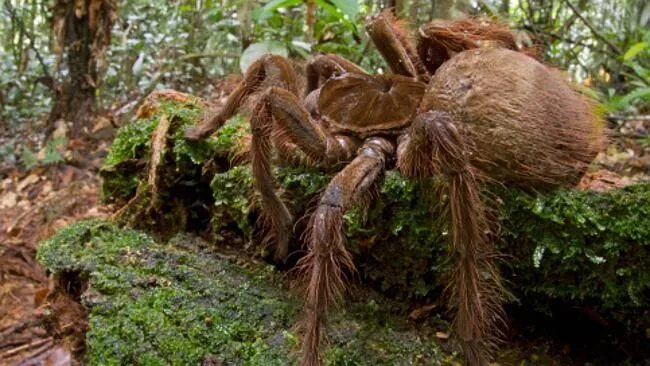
(439, 40)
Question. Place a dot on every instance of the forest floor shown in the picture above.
(35, 203)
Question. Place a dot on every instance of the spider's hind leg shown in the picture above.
(434, 146)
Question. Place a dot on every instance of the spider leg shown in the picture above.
(292, 124)
(269, 70)
(439, 40)
(328, 261)
(392, 39)
(434, 146)
(322, 67)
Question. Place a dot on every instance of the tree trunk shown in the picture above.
(82, 33)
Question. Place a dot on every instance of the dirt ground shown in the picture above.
(35, 203)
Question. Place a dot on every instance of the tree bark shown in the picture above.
(82, 33)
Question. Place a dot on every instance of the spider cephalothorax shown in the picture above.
(464, 103)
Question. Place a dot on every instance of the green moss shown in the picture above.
(230, 135)
(571, 247)
(132, 141)
(587, 248)
(180, 304)
(125, 165)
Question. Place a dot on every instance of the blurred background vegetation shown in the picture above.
(74, 60)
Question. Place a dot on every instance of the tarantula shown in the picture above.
(463, 102)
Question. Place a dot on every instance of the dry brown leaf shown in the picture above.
(422, 312)
(29, 180)
(40, 296)
(442, 335)
(8, 200)
(80, 8)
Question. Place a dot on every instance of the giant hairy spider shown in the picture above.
(462, 102)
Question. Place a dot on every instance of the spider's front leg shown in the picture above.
(328, 261)
(269, 70)
(278, 119)
(434, 146)
(323, 67)
(392, 39)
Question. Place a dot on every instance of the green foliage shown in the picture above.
(29, 158)
(179, 304)
(187, 45)
(25, 61)
(231, 135)
(133, 141)
(637, 93)
(52, 153)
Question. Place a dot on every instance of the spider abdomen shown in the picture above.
(522, 122)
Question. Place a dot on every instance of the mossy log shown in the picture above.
(181, 303)
(568, 247)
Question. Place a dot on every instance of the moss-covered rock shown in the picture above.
(182, 304)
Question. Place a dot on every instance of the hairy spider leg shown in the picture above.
(269, 70)
(323, 67)
(475, 291)
(439, 40)
(293, 124)
(278, 119)
(393, 40)
(328, 261)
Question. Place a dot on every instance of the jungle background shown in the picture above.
(73, 71)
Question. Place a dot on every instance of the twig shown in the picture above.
(28, 359)
(191, 56)
(26, 346)
(628, 118)
(558, 37)
(32, 45)
(593, 30)
(10, 228)
(16, 328)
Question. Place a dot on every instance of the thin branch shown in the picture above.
(558, 37)
(17, 350)
(32, 43)
(593, 30)
(191, 56)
